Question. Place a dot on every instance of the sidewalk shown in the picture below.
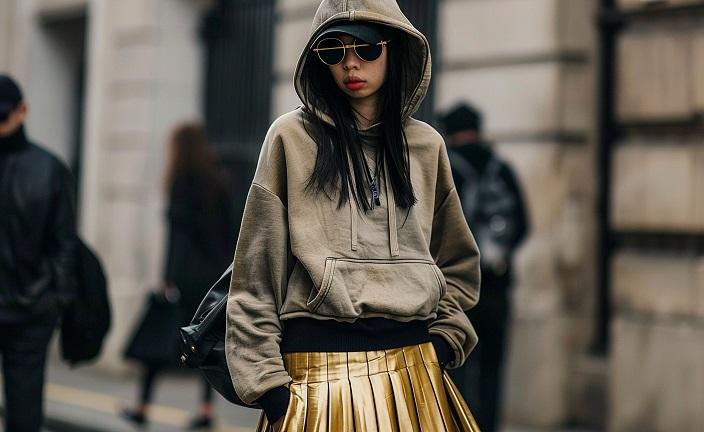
(86, 400)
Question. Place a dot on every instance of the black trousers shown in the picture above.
(23, 347)
(480, 379)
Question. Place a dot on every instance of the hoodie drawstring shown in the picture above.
(391, 209)
(391, 212)
(353, 223)
(353, 210)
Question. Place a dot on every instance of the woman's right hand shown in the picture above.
(170, 292)
(276, 427)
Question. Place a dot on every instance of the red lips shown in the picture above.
(354, 83)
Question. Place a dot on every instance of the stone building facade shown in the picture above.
(106, 79)
(656, 367)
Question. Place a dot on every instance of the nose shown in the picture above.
(351, 61)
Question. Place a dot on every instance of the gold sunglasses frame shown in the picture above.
(345, 47)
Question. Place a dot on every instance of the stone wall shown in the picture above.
(663, 57)
(657, 358)
(656, 362)
(659, 184)
(7, 13)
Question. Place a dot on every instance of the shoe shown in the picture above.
(200, 422)
(133, 416)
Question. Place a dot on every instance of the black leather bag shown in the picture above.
(203, 341)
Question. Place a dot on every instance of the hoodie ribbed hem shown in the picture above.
(366, 334)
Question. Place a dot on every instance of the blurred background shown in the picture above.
(596, 104)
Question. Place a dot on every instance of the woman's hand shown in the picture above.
(276, 427)
(170, 292)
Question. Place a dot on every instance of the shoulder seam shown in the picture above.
(270, 193)
(444, 200)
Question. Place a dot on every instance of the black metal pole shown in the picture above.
(609, 24)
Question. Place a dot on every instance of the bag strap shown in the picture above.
(202, 317)
(458, 162)
(226, 273)
(493, 167)
(470, 185)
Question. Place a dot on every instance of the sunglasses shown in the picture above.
(332, 51)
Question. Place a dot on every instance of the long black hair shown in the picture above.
(334, 172)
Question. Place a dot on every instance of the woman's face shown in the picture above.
(357, 78)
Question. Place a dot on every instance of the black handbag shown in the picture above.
(155, 340)
(203, 341)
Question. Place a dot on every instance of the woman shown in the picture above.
(199, 242)
(354, 263)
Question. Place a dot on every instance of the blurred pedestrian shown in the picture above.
(493, 205)
(37, 258)
(354, 263)
(200, 242)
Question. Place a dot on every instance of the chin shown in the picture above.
(359, 95)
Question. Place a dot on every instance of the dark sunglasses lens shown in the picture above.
(331, 51)
(369, 52)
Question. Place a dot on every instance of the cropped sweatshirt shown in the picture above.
(301, 256)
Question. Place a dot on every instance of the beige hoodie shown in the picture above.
(299, 255)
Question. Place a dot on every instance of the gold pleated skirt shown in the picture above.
(401, 389)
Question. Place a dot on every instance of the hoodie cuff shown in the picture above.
(443, 350)
(275, 403)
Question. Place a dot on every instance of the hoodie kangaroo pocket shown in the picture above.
(350, 288)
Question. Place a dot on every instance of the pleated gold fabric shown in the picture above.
(396, 390)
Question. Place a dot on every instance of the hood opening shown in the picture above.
(415, 57)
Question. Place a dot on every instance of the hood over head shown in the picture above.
(416, 61)
(361, 30)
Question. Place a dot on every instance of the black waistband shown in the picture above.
(368, 334)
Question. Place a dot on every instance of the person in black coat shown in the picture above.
(37, 258)
(493, 205)
(200, 242)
